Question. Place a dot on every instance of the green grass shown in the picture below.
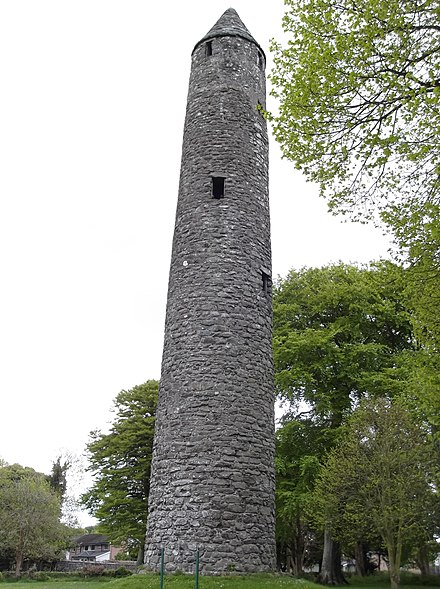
(180, 581)
(407, 581)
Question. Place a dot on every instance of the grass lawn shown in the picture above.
(152, 581)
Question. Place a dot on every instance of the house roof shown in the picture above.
(92, 539)
(89, 555)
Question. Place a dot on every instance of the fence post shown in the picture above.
(162, 555)
(196, 584)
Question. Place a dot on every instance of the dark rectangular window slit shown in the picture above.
(266, 282)
(208, 48)
(218, 187)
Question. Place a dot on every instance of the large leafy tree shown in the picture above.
(379, 480)
(358, 83)
(120, 463)
(359, 90)
(29, 516)
(299, 447)
(340, 333)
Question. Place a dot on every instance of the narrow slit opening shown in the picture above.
(266, 282)
(208, 49)
(218, 187)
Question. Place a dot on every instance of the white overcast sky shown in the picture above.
(92, 105)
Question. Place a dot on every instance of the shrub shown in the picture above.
(121, 572)
(39, 576)
(414, 579)
(93, 571)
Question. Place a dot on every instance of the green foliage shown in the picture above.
(379, 479)
(102, 571)
(29, 516)
(299, 444)
(406, 579)
(120, 463)
(121, 572)
(359, 89)
(57, 478)
(339, 334)
(358, 84)
(416, 229)
(88, 573)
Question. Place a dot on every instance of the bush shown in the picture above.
(121, 572)
(93, 571)
(414, 579)
(382, 578)
(377, 578)
(102, 571)
(88, 572)
(39, 576)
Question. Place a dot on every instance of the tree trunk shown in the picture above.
(331, 573)
(290, 563)
(361, 559)
(281, 557)
(394, 566)
(394, 579)
(422, 560)
(298, 549)
(141, 553)
(18, 561)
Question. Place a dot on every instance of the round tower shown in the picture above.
(212, 479)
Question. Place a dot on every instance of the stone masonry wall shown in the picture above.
(212, 485)
(69, 566)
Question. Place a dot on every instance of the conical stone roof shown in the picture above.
(229, 25)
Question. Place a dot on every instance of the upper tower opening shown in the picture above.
(228, 25)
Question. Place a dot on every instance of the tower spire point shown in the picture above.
(229, 25)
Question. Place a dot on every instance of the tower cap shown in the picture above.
(229, 25)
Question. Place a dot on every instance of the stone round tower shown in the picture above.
(212, 480)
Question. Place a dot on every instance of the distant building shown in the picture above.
(92, 548)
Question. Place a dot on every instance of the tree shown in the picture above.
(359, 90)
(29, 516)
(58, 477)
(66, 477)
(379, 480)
(340, 333)
(120, 464)
(358, 85)
(298, 445)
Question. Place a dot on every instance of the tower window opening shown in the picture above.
(218, 187)
(208, 49)
(267, 282)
